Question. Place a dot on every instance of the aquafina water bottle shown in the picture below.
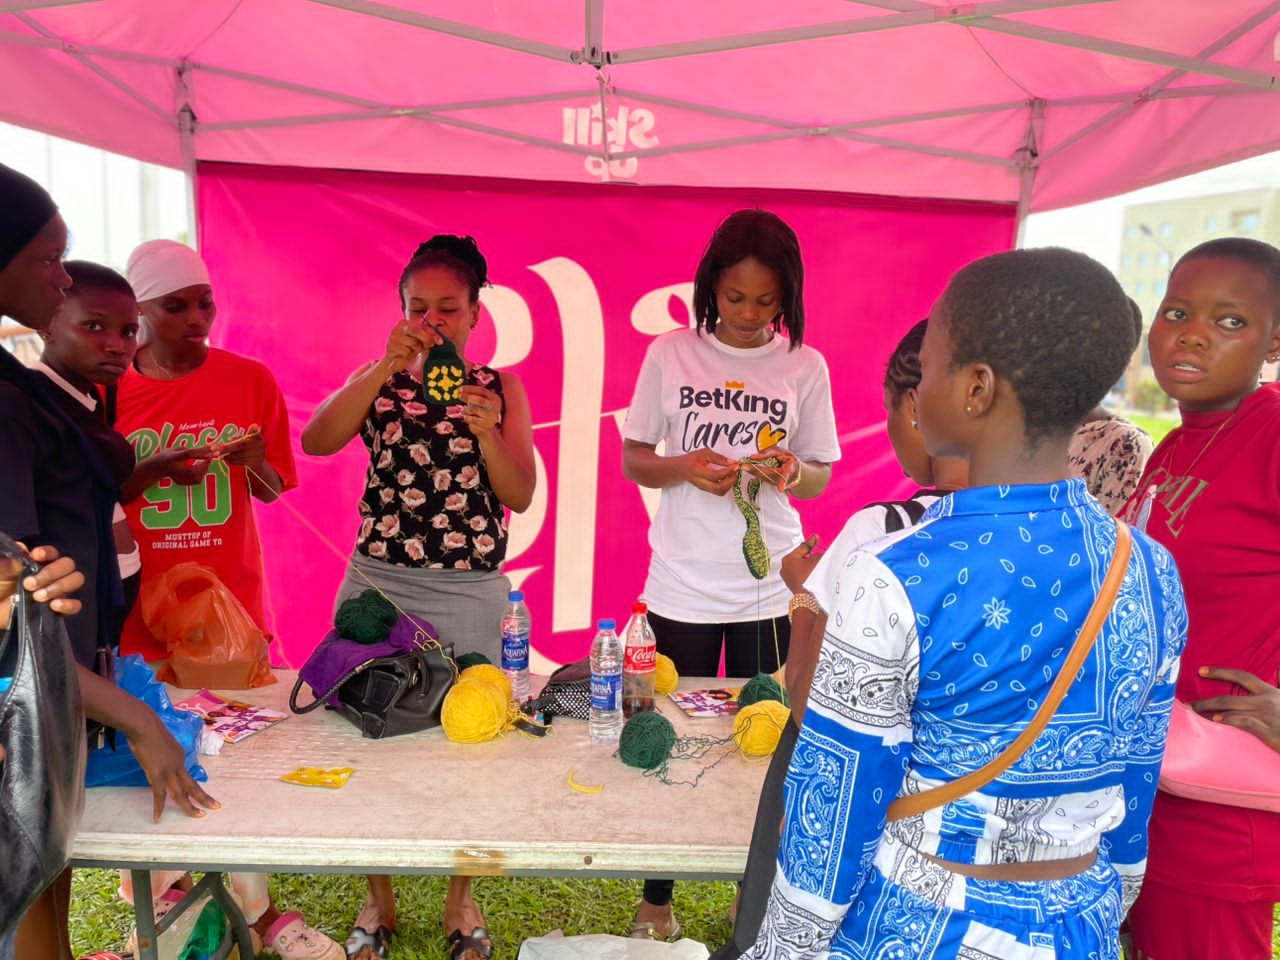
(605, 725)
(515, 646)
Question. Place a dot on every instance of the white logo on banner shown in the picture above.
(626, 127)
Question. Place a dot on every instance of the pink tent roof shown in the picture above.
(1047, 102)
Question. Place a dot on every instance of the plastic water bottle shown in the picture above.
(638, 663)
(605, 724)
(515, 646)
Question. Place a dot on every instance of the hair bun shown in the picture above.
(463, 249)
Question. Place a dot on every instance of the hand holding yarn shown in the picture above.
(483, 410)
(407, 340)
(248, 450)
(185, 466)
(776, 466)
(710, 471)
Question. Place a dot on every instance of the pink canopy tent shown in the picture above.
(328, 136)
(1044, 102)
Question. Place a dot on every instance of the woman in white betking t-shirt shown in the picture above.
(723, 398)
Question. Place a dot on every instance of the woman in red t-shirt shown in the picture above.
(1211, 495)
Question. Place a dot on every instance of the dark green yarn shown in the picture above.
(647, 740)
(761, 687)
(366, 618)
(471, 659)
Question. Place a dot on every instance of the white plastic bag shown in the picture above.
(604, 946)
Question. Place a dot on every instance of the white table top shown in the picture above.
(423, 804)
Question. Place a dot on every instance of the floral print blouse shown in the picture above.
(428, 501)
(1110, 455)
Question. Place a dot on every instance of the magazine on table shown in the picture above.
(714, 702)
(232, 720)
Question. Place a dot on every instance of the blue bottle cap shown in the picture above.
(606, 624)
(515, 596)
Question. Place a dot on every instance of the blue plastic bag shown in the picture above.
(118, 767)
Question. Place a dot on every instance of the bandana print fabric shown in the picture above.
(427, 500)
(940, 643)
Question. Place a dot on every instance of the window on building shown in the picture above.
(1245, 221)
(1163, 258)
(1159, 287)
(1210, 224)
(1166, 229)
(1130, 232)
(1126, 260)
(1139, 288)
(1142, 259)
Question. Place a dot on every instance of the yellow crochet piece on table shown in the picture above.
(333, 778)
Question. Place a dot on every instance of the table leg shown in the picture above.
(239, 927)
(144, 915)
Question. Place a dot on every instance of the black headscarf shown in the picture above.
(25, 208)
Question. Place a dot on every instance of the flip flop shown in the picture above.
(479, 941)
(378, 941)
(647, 930)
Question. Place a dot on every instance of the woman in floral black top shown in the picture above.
(433, 530)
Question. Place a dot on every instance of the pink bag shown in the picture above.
(1219, 764)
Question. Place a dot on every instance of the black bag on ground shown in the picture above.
(42, 732)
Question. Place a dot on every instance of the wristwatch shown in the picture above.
(803, 601)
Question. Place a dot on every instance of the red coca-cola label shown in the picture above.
(640, 659)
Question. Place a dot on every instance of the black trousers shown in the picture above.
(749, 648)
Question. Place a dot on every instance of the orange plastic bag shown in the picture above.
(211, 639)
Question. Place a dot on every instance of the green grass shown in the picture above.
(1155, 425)
(515, 908)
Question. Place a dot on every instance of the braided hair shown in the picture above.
(903, 371)
(459, 255)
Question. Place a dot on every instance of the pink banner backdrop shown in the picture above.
(305, 265)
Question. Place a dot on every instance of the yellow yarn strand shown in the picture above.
(581, 788)
(758, 728)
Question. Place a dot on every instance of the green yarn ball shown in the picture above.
(646, 740)
(365, 618)
(470, 660)
(761, 687)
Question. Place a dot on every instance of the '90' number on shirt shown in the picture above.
(170, 505)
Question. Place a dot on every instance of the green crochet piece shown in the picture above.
(754, 549)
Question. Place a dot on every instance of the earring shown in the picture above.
(915, 424)
(968, 409)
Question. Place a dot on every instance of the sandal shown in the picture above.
(478, 942)
(647, 930)
(378, 941)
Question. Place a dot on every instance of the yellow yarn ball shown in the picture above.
(488, 673)
(665, 678)
(473, 711)
(758, 728)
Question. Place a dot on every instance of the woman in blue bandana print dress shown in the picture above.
(939, 643)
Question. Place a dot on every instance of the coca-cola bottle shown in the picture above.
(638, 662)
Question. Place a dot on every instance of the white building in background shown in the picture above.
(111, 203)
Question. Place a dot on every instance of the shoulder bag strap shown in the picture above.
(918, 803)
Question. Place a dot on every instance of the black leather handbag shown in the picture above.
(389, 696)
(42, 732)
